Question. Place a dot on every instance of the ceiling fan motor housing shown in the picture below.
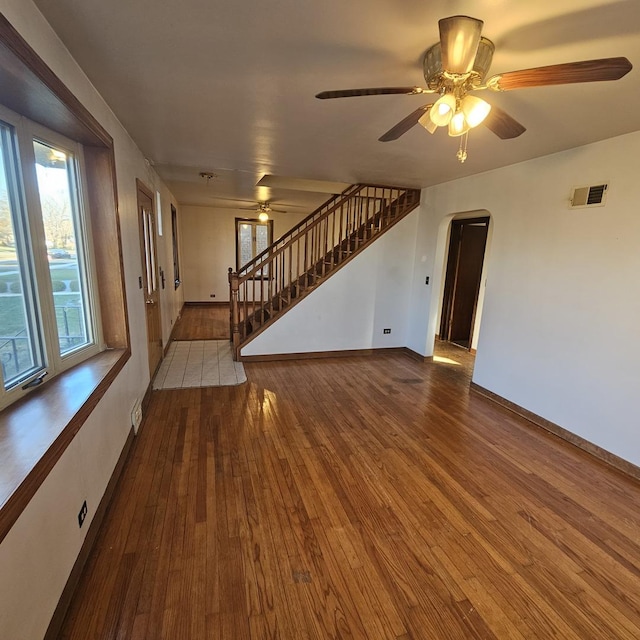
(438, 80)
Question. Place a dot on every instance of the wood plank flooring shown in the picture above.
(203, 322)
(368, 498)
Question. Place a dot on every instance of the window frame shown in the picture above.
(25, 133)
(21, 225)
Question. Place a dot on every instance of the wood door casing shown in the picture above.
(149, 255)
(462, 281)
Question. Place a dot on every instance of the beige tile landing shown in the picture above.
(199, 363)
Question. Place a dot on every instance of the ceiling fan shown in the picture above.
(263, 210)
(457, 65)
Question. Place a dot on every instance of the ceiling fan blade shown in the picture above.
(567, 73)
(502, 124)
(375, 91)
(459, 39)
(404, 125)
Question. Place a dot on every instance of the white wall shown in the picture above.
(562, 303)
(208, 234)
(351, 309)
(38, 553)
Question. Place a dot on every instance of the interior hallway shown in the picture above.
(361, 497)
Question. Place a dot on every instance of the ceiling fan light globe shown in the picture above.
(263, 216)
(443, 110)
(458, 125)
(475, 110)
(427, 123)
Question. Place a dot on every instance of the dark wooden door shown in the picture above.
(462, 281)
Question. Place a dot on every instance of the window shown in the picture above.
(47, 311)
(30, 87)
(176, 256)
(252, 238)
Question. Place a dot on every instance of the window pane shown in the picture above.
(20, 350)
(245, 243)
(262, 238)
(58, 199)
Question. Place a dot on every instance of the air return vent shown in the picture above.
(593, 196)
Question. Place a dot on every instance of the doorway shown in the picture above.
(467, 243)
(148, 251)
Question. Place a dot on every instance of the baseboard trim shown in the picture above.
(416, 356)
(310, 355)
(53, 631)
(346, 353)
(205, 303)
(171, 335)
(598, 452)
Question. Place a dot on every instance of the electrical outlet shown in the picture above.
(83, 514)
(212, 295)
(386, 331)
(136, 416)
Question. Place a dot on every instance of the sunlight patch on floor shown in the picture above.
(443, 360)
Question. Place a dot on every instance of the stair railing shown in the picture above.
(299, 259)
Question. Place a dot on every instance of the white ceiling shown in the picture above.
(228, 86)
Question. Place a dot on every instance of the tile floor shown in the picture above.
(199, 363)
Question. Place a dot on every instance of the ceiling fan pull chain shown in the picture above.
(462, 150)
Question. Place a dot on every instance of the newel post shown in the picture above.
(234, 312)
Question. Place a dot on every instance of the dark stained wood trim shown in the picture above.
(146, 399)
(141, 186)
(31, 88)
(53, 631)
(311, 355)
(107, 245)
(602, 454)
(171, 335)
(217, 303)
(36, 430)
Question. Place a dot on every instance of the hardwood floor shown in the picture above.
(203, 322)
(369, 498)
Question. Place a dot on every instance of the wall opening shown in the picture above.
(462, 292)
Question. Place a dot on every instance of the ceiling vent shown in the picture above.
(593, 196)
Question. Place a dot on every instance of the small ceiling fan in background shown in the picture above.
(263, 209)
(457, 65)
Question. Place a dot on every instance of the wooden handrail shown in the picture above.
(271, 252)
(291, 232)
(309, 252)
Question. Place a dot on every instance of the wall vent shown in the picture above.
(593, 196)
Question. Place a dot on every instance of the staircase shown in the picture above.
(304, 257)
